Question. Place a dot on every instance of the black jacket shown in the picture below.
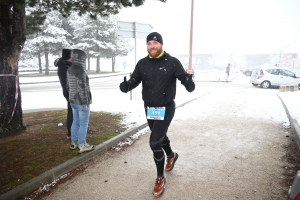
(158, 77)
(63, 66)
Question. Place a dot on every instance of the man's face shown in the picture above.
(154, 48)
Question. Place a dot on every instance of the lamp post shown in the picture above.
(293, 63)
(191, 36)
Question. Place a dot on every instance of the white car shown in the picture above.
(266, 77)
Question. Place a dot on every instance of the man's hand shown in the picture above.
(84, 107)
(189, 71)
(189, 83)
(124, 86)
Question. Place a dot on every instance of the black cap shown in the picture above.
(66, 54)
(154, 36)
(78, 57)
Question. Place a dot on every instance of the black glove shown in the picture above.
(124, 86)
(189, 84)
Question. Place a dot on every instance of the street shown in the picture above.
(230, 140)
(106, 91)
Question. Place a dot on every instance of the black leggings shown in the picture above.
(159, 141)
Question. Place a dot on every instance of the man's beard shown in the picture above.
(156, 53)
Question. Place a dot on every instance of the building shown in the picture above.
(211, 61)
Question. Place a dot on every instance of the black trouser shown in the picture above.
(159, 141)
(69, 119)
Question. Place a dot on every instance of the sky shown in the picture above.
(221, 26)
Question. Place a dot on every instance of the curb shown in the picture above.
(294, 124)
(296, 128)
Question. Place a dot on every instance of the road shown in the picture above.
(49, 95)
(103, 89)
(230, 142)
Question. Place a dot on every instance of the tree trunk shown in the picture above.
(40, 63)
(47, 64)
(113, 62)
(12, 39)
(98, 64)
(89, 62)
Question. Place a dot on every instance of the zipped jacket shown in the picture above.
(158, 77)
(78, 85)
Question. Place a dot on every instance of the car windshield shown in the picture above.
(256, 71)
(284, 72)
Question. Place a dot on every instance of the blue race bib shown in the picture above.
(156, 113)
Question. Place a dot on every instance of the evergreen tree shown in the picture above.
(50, 39)
(97, 38)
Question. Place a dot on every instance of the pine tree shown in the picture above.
(61, 36)
(97, 37)
(50, 38)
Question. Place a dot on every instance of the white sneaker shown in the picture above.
(86, 147)
(73, 145)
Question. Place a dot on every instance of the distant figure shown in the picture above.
(80, 99)
(124, 65)
(63, 65)
(227, 72)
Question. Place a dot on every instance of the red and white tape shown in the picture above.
(16, 93)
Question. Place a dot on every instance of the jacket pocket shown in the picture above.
(170, 92)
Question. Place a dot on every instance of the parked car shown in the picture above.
(266, 77)
(247, 72)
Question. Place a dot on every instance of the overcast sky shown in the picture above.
(221, 26)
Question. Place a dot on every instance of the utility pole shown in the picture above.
(191, 35)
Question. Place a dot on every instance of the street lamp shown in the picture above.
(191, 36)
(293, 63)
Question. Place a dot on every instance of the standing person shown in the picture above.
(63, 64)
(158, 73)
(124, 64)
(227, 72)
(80, 99)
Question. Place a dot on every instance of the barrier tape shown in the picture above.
(16, 93)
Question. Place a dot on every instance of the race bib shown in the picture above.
(156, 113)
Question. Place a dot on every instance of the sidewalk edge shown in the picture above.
(294, 124)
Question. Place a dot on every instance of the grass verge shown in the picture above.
(44, 144)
